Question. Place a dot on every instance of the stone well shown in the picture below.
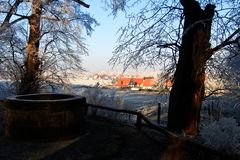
(44, 116)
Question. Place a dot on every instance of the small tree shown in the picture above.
(182, 35)
(41, 41)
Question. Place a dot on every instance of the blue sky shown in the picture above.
(102, 40)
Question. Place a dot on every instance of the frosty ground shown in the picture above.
(220, 115)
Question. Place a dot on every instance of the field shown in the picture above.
(220, 115)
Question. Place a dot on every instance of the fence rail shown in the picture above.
(139, 121)
(148, 123)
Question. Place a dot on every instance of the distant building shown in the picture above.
(149, 82)
(143, 83)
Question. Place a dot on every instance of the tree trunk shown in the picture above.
(29, 81)
(188, 89)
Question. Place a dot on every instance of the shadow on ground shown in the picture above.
(103, 139)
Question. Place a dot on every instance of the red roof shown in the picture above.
(123, 82)
(149, 82)
(137, 81)
(146, 82)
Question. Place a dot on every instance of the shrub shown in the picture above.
(222, 135)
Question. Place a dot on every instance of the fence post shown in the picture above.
(139, 121)
(159, 113)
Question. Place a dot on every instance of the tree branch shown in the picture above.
(214, 92)
(82, 3)
(168, 45)
(226, 42)
(11, 12)
(19, 19)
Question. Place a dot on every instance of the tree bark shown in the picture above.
(188, 89)
(29, 81)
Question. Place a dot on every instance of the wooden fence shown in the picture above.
(140, 119)
(172, 136)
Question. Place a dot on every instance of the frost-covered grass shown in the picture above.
(222, 106)
(220, 116)
(220, 123)
(98, 96)
(130, 100)
(5, 89)
(222, 134)
(220, 120)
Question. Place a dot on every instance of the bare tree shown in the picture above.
(187, 36)
(232, 62)
(42, 41)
